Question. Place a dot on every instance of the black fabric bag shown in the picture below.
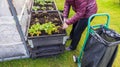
(101, 48)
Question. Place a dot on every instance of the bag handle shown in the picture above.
(102, 14)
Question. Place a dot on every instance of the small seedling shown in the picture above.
(43, 8)
(56, 19)
(35, 8)
(50, 27)
(36, 20)
(51, 8)
(35, 29)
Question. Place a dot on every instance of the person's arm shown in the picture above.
(66, 10)
(79, 14)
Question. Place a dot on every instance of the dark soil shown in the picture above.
(47, 13)
(46, 17)
(42, 18)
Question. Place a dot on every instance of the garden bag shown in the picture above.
(101, 48)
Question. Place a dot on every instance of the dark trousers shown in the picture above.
(77, 31)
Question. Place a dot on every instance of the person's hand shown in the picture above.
(64, 20)
(65, 25)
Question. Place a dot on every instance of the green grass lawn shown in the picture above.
(65, 60)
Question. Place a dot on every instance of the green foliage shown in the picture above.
(43, 8)
(49, 28)
(50, 3)
(51, 8)
(40, 2)
(35, 29)
(43, 2)
(36, 20)
(37, 1)
(49, 0)
(35, 8)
